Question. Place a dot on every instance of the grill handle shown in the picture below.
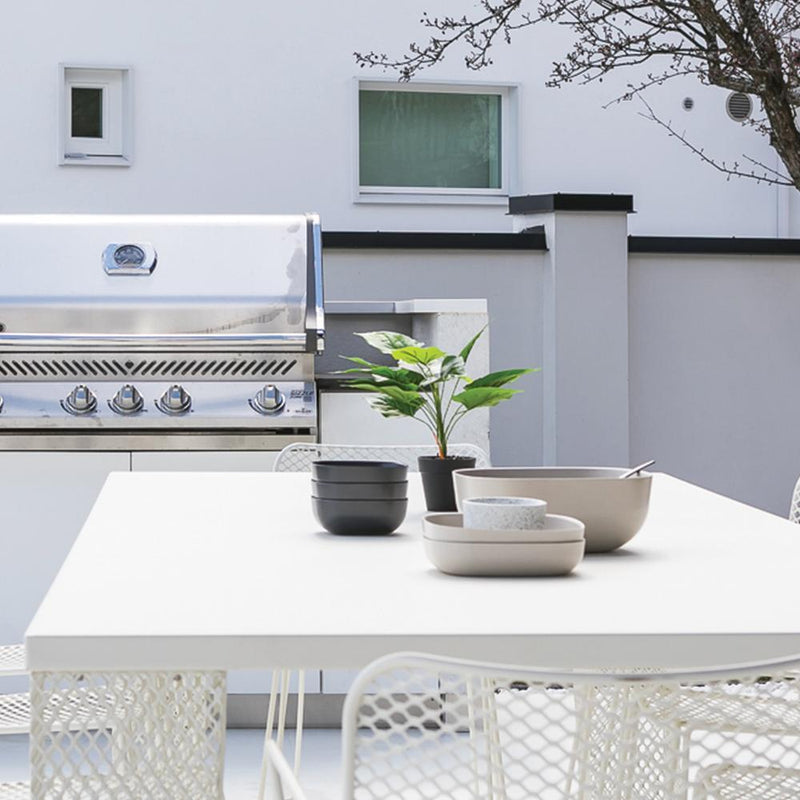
(294, 342)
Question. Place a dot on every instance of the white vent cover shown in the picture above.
(739, 106)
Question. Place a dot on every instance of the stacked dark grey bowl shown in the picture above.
(359, 497)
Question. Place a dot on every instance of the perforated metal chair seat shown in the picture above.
(765, 707)
(12, 660)
(298, 457)
(18, 790)
(15, 713)
(794, 508)
(74, 710)
(734, 782)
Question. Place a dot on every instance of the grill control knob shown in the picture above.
(268, 400)
(127, 400)
(175, 400)
(79, 401)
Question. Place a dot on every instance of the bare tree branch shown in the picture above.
(767, 175)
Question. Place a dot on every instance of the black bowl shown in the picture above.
(359, 491)
(359, 471)
(359, 516)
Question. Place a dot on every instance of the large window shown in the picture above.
(433, 140)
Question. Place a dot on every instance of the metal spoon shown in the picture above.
(638, 469)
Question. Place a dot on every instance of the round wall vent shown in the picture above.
(739, 106)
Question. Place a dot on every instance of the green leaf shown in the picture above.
(404, 378)
(399, 403)
(483, 396)
(387, 341)
(471, 343)
(418, 355)
(500, 378)
(452, 367)
(409, 397)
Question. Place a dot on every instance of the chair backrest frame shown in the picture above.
(468, 729)
(299, 456)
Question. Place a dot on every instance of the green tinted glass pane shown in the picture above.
(429, 139)
(87, 113)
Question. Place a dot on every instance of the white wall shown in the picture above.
(715, 372)
(248, 105)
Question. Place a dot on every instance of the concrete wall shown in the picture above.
(511, 282)
(249, 106)
(715, 372)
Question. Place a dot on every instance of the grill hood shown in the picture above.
(202, 282)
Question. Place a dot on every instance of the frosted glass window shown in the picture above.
(430, 139)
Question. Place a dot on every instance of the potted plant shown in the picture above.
(431, 386)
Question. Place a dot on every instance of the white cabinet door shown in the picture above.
(44, 501)
(346, 418)
(239, 681)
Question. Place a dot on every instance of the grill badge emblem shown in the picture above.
(129, 258)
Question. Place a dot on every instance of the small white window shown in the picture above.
(94, 116)
(442, 142)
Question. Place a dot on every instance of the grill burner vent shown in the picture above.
(66, 367)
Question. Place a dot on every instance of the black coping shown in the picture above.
(713, 245)
(544, 203)
(529, 239)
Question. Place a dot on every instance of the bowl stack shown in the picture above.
(359, 497)
(516, 537)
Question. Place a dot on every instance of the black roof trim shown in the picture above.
(543, 203)
(712, 245)
(530, 239)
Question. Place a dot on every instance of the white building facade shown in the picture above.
(256, 106)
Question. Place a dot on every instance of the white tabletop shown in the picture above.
(230, 570)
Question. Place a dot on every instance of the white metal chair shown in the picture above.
(298, 457)
(794, 508)
(19, 790)
(15, 714)
(418, 726)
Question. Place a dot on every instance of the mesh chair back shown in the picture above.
(794, 509)
(423, 727)
(298, 457)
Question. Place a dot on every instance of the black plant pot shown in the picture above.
(437, 480)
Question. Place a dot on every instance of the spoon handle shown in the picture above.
(635, 470)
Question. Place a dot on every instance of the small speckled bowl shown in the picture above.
(504, 513)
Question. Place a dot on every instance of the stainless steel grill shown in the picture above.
(159, 332)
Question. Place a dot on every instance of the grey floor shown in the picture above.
(319, 772)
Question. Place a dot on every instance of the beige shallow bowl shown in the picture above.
(511, 559)
(449, 527)
(612, 508)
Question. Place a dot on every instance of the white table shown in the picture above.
(181, 576)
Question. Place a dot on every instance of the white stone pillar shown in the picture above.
(585, 325)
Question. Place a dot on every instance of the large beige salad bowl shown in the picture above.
(611, 507)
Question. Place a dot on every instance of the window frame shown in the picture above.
(440, 194)
(114, 148)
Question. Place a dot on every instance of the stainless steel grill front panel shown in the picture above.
(214, 405)
(224, 309)
(83, 366)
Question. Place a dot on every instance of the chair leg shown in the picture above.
(278, 707)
